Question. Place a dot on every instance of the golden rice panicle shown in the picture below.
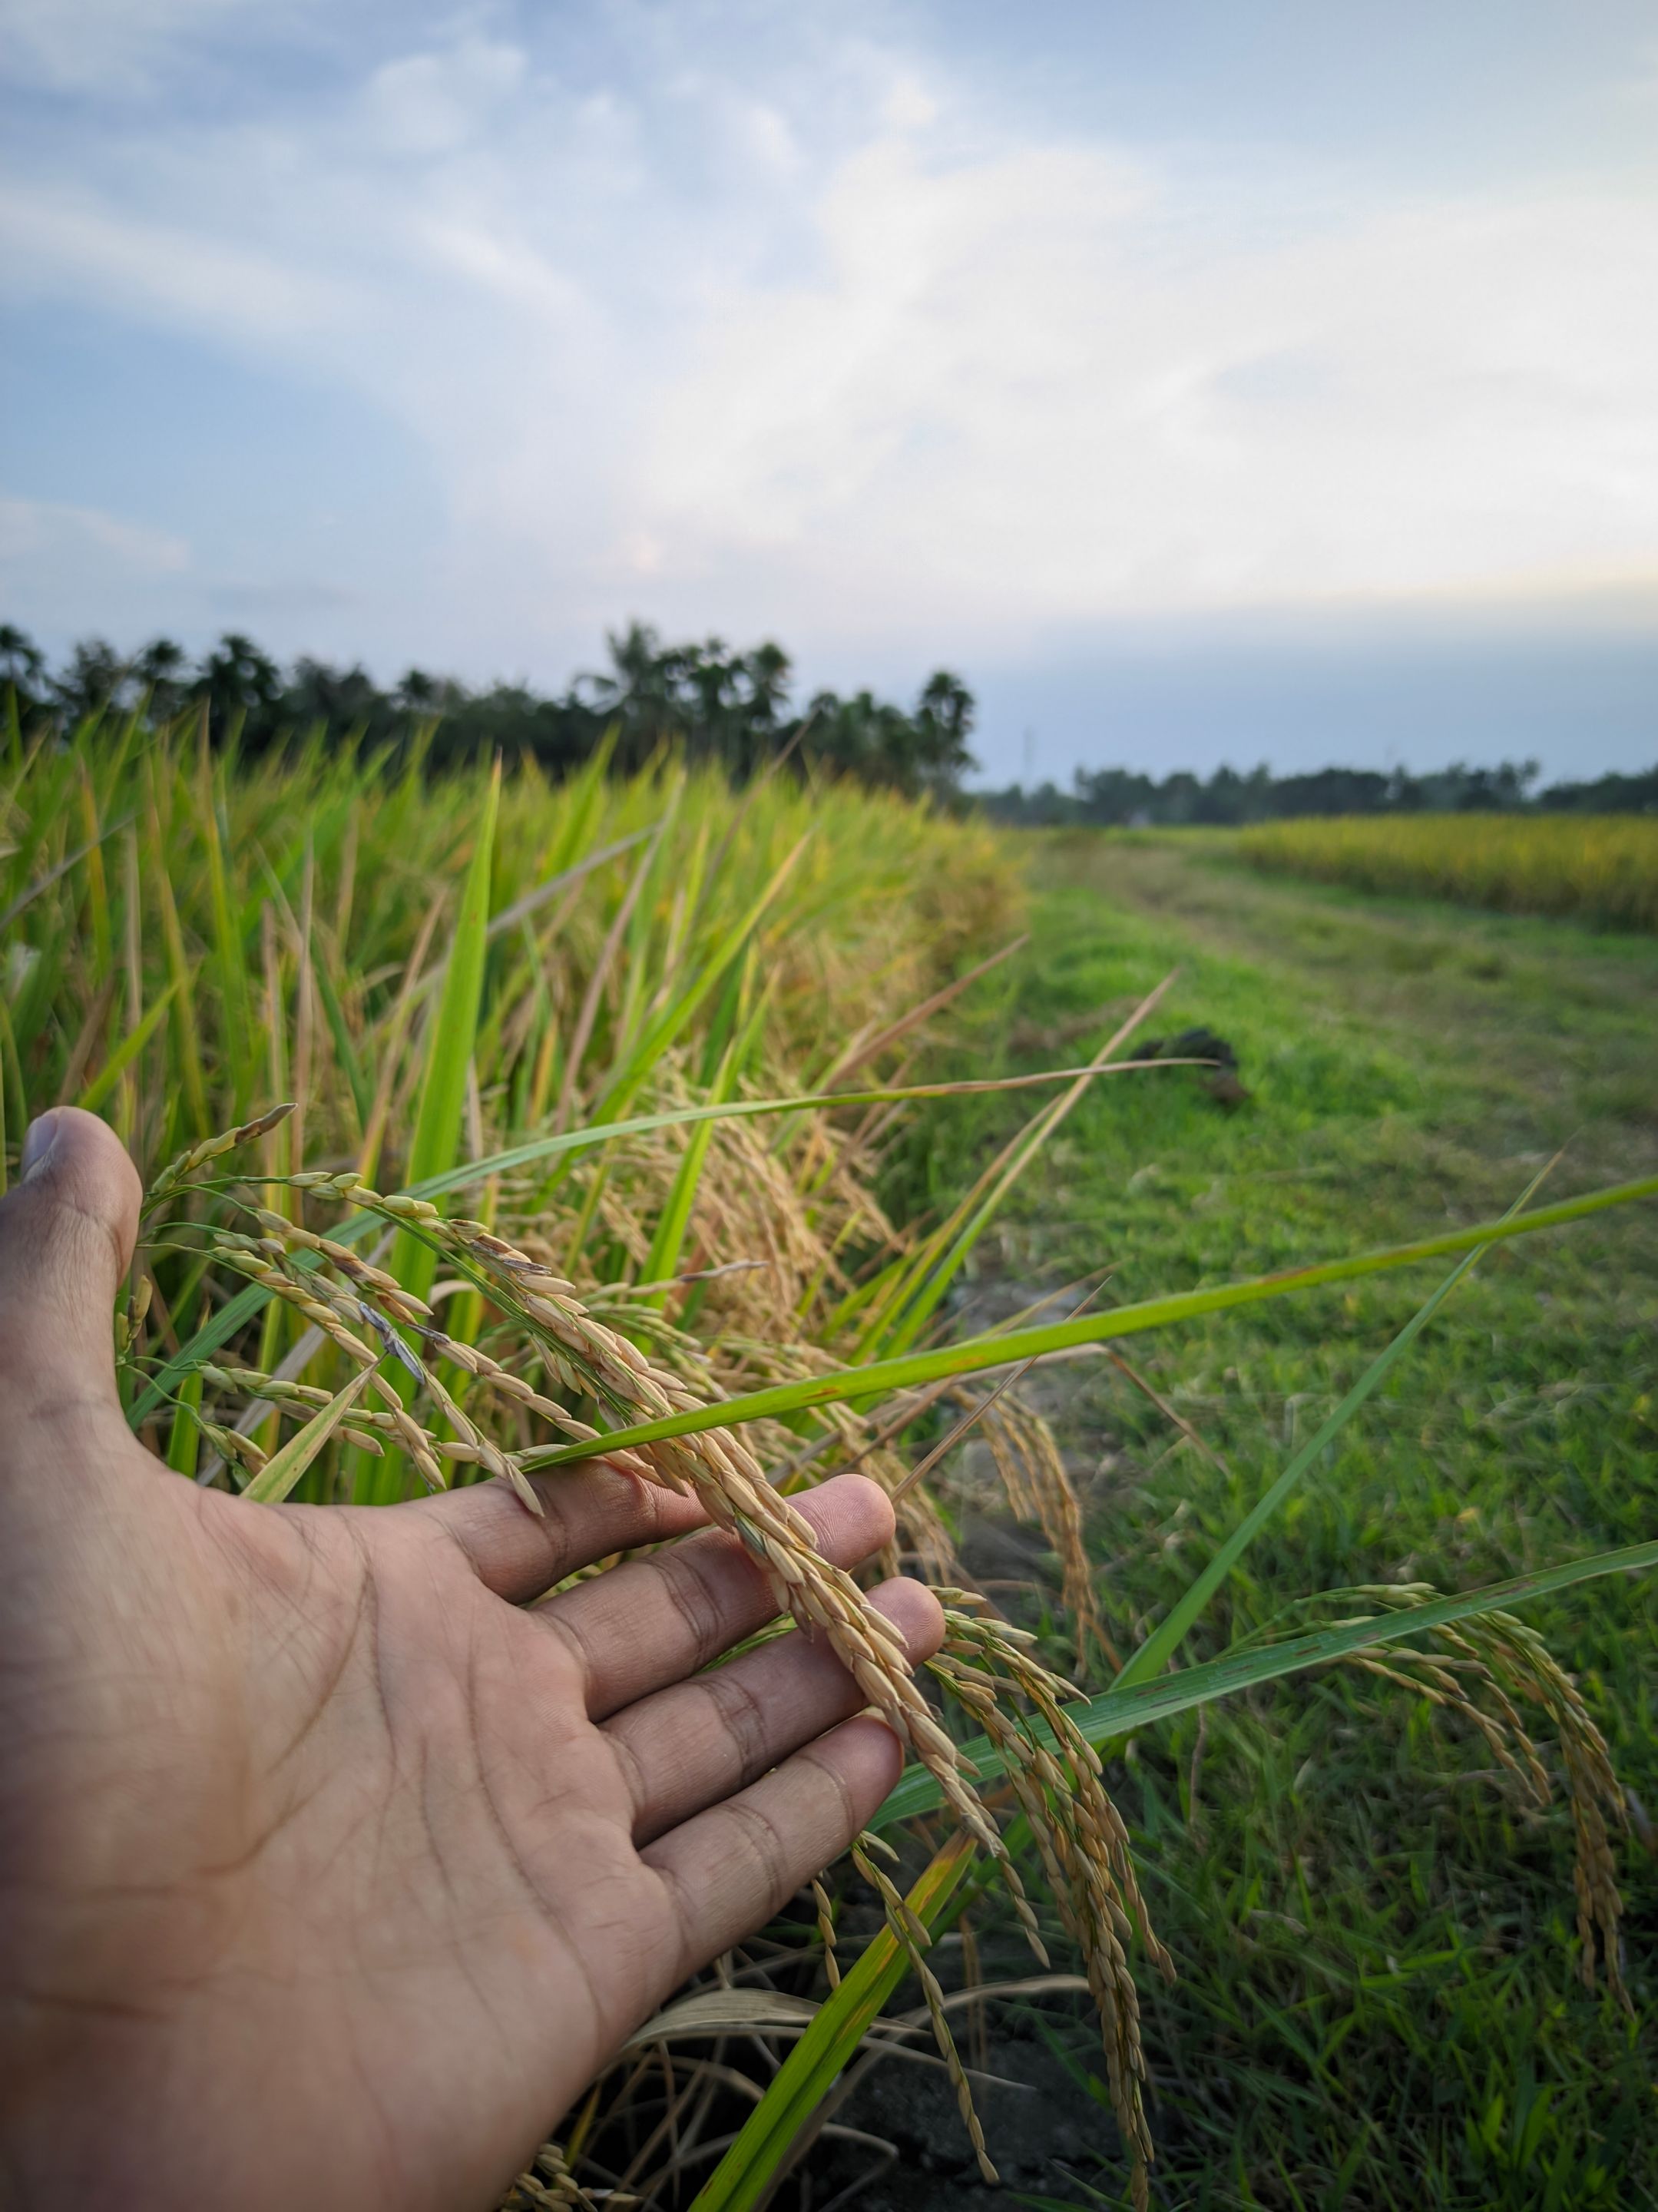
(1039, 1489)
(198, 1155)
(1485, 1664)
(716, 1464)
(1080, 1838)
(913, 1940)
(820, 1898)
(548, 2185)
(1519, 1659)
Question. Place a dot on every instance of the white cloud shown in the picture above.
(836, 350)
(101, 46)
(39, 530)
(122, 579)
(430, 104)
(1022, 392)
(69, 242)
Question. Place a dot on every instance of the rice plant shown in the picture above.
(655, 1032)
(1600, 868)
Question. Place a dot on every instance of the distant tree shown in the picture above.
(242, 687)
(22, 664)
(513, 721)
(639, 692)
(344, 699)
(422, 696)
(732, 708)
(1332, 791)
(1606, 794)
(944, 720)
(160, 674)
(1114, 796)
(94, 678)
(1126, 797)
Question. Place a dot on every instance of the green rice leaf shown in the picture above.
(345, 1051)
(859, 1385)
(761, 2152)
(971, 1357)
(451, 1035)
(284, 1469)
(668, 1242)
(450, 1039)
(125, 1053)
(1155, 1653)
(182, 1447)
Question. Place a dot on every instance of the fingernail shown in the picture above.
(38, 1141)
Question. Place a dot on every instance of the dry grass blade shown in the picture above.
(862, 1050)
(1176, 1419)
(969, 1419)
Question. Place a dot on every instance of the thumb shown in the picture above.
(66, 1237)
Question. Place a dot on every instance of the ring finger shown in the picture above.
(691, 1745)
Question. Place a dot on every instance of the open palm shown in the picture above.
(329, 1873)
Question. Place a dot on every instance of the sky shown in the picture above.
(1201, 382)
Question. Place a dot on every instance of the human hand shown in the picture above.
(329, 1875)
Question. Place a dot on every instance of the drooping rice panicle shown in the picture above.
(990, 1670)
(1486, 1664)
(915, 1941)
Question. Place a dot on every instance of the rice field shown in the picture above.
(1598, 868)
(660, 1038)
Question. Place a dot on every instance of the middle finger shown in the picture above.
(654, 1622)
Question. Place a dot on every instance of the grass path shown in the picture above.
(1378, 2006)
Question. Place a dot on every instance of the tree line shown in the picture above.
(1122, 798)
(732, 709)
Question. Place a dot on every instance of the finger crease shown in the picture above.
(697, 1603)
(744, 1719)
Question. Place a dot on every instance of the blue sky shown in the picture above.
(1202, 381)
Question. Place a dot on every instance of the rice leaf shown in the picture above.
(662, 1260)
(1153, 1654)
(449, 1046)
(177, 969)
(125, 1053)
(762, 2149)
(859, 1385)
(943, 1254)
(723, 2012)
(451, 1034)
(345, 1050)
(284, 1469)
(182, 1447)
(877, 1379)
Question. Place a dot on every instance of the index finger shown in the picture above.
(587, 1511)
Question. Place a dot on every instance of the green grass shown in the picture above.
(1377, 2007)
